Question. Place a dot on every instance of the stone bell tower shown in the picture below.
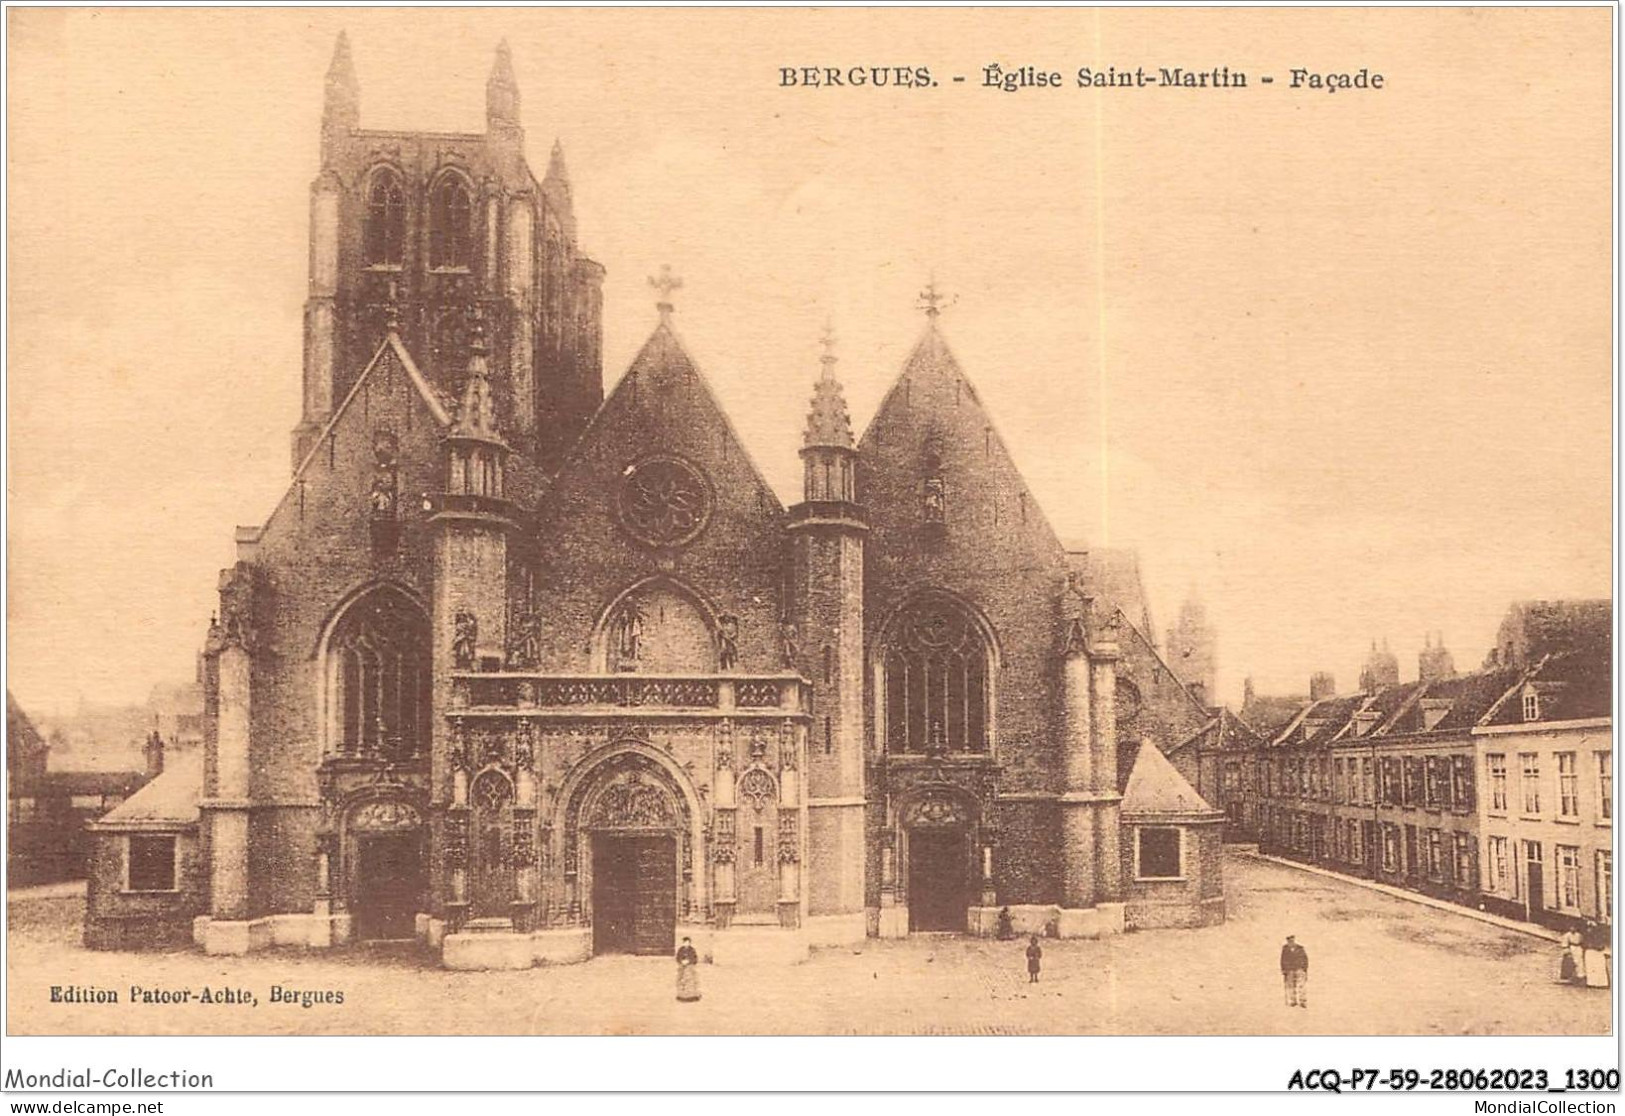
(824, 636)
(422, 228)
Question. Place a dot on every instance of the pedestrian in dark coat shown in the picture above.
(1035, 954)
(1295, 973)
(688, 976)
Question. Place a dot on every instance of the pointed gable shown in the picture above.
(949, 512)
(169, 801)
(665, 396)
(932, 426)
(663, 415)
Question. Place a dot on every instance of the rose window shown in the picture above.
(664, 501)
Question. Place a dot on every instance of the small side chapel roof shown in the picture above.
(169, 801)
(1155, 787)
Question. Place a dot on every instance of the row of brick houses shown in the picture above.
(1493, 788)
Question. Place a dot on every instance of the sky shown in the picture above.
(1338, 365)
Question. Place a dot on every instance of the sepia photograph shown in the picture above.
(810, 522)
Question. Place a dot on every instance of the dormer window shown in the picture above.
(1531, 705)
(450, 223)
(1433, 711)
(383, 233)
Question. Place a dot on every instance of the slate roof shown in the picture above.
(1267, 716)
(1336, 712)
(1393, 704)
(1477, 694)
(1571, 687)
(1575, 683)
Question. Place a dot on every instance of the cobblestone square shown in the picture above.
(1378, 965)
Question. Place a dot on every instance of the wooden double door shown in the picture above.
(938, 879)
(389, 885)
(634, 893)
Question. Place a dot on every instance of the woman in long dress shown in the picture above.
(688, 973)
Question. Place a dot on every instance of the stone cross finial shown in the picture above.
(665, 283)
(827, 340)
(931, 299)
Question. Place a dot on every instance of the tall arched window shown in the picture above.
(936, 679)
(451, 212)
(383, 232)
(379, 678)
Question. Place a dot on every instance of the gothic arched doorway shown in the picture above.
(634, 825)
(384, 840)
(939, 857)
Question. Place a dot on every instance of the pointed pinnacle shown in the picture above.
(827, 340)
(342, 69)
(556, 170)
(502, 65)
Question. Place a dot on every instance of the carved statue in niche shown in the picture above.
(524, 641)
(936, 500)
(789, 645)
(1076, 643)
(627, 635)
(464, 640)
(524, 755)
(458, 757)
(383, 496)
(494, 749)
(758, 747)
(728, 642)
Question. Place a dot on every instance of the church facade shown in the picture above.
(531, 674)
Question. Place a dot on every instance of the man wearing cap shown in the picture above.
(1295, 973)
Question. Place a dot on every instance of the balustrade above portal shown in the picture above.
(509, 693)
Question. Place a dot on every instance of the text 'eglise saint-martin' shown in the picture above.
(1014, 79)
